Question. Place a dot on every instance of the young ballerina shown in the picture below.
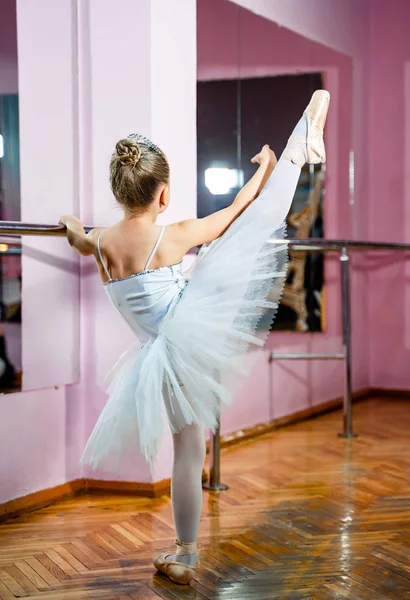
(190, 326)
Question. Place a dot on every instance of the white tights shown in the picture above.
(186, 486)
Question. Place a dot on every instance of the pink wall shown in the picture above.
(389, 192)
(8, 74)
(42, 432)
(341, 24)
(8, 47)
(32, 442)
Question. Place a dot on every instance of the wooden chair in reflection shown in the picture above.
(294, 293)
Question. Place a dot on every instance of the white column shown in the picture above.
(142, 78)
(137, 73)
(173, 99)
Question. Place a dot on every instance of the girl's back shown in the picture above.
(127, 248)
(141, 292)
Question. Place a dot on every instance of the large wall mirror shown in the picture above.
(254, 81)
(39, 336)
(10, 248)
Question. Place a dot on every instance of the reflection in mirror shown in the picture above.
(224, 163)
(10, 250)
(254, 81)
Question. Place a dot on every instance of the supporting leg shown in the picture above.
(186, 487)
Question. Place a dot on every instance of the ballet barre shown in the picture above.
(17, 228)
(343, 247)
(346, 355)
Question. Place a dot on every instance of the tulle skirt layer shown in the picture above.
(191, 370)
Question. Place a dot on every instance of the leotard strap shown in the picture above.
(161, 233)
(100, 255)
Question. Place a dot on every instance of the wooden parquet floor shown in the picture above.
(308, 516)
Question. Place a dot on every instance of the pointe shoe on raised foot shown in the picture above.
(316, 113)
(310, 149)
(177, 572)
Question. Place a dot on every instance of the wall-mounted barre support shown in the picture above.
(214, 483)
(346, 356)
(347, 343)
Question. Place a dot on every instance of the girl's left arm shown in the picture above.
(195, 232)
(77, 238)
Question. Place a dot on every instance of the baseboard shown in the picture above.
(250, 433)
(390, 393)
(132, 488)
(43, 498)
(154, 489)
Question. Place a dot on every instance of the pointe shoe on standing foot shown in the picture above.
(178, 572)
(310, 148)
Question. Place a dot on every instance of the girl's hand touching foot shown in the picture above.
(265, 156)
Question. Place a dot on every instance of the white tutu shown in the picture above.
(203, 339)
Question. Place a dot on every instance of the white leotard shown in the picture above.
(144, 298)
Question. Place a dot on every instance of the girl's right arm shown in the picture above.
(84, 243)
(196, 232)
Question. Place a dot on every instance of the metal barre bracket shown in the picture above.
(214, 484)
(346, 325)
(301, 356)
(346, 356)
